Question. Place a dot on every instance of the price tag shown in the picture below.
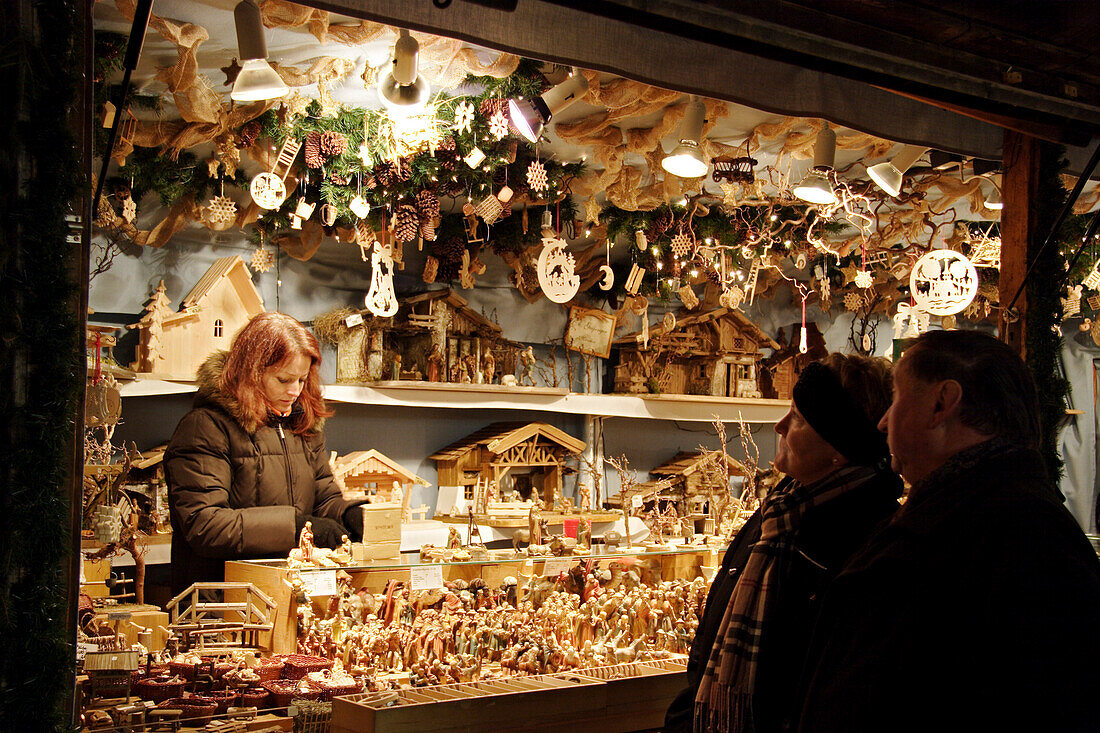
(426, 577)
(555, 566)
(636, 501)
(118, 615)
(82, 649)
(320, 582)
(353, 320)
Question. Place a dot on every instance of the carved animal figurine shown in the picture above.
(612, 539)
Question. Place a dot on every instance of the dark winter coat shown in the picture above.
(976, 608)
(826, 539)
(235, 493)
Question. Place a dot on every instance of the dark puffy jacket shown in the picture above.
(234, 493)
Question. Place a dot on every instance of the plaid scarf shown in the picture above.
(724, 700)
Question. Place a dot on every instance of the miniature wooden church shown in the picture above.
(368, 474)
(176, 343)
(509, 456)
(717, 352)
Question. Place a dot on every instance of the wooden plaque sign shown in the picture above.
(590, 331)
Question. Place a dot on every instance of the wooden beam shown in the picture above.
(1020, 181)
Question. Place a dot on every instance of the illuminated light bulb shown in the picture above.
(773, 217)
(695, 273)
(660, 265)
(655, 250)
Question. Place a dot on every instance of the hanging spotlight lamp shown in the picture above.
(402, 88)
(256, 80)
(531, 116)
(816, 188)
(686, 160)
(993, 199)
(887, 176)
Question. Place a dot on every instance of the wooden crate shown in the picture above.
(539, 703)
(271, 579)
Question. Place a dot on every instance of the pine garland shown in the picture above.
(1044, 307)
(42, 363)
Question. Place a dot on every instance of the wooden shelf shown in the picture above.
(492, 396)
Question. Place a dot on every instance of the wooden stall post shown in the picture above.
(1020, 181)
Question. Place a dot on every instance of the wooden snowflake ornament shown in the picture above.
(864, 279)
(536, 176)
(853, 301)
(498, 125)
(556, 273)
(129, 210)
(221, 210)
(681, 244)
(261, 260)
(464, 116)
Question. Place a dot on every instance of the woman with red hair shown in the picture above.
(247, 466)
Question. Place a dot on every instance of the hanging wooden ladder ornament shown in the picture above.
(268, 189)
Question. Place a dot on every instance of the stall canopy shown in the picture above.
(941, 74)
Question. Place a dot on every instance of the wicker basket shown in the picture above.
(185, 670)
(299, 665)
(269, 668)
(159, 689)
(225, 699)
(196, 711)
(283, 691)
(329, 691)
(254, 697)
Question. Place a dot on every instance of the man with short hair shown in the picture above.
(976, 607)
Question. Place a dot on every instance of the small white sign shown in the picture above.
(636, 501)
(353, 320)
(555, 566)
(82, 649)
(426, 577)
(320, 582)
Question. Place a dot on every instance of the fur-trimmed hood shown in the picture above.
(210, 392)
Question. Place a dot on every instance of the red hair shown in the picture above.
(269, 339)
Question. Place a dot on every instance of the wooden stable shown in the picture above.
(368, 474)
(717, 353)
(217, 626)
(690, 480)
(175, 344)
(441, 321)
(509, 456)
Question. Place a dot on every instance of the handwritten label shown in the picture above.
(636, 501)
(353, 320)
(118, 615)
(426, 577)
(320, 582)
(555, 566)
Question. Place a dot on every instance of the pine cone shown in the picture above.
(370, 182)
(338, 180)
(427, 229)
(408, 223)
(491, 106)
(500, 176)
(386, 173)
(333, 143)
(663, 221)
(506, 209)
(448, 270)
(427, 205)
(248, 134)
(311, 150)
(403, 169)
(447, 154)
(449, 249)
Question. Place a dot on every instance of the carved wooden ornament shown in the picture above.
(555, 268)
(381, 299)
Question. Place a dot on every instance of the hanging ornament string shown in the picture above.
(557, 225)
(802, 345)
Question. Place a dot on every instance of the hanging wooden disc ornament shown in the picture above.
(359, 207)
(943, 282)
(668, 322)
(555, 268)
(268, 189)
(864, 279)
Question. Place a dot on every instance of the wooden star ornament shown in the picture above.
(231, 71)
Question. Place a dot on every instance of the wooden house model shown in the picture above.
(780, 371)
(175, 343)
(717, 352)
(509, 456)
(442, 319)
(370, 474)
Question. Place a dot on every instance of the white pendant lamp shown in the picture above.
(686, 159)
(816, 188)
(530, 116)
(888, 175)
(993, 199)
(256, 80)
(402, 88)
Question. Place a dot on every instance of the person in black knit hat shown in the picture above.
(746, 659)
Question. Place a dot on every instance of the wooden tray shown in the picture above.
(543, 702)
